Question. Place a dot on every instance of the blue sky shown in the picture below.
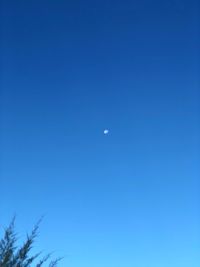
(70, 69)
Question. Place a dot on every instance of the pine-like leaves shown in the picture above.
(7, 246)
(12, 255)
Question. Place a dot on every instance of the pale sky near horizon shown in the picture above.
(72, 69)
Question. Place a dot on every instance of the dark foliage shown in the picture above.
(12, 255)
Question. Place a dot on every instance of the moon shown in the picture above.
(106, 131)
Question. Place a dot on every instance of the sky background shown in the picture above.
(69, 69)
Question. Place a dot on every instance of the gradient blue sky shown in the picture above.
(71, 68)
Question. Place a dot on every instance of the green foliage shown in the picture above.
(12, 255)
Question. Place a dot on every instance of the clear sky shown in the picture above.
(69, 70)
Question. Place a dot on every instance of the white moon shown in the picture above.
(106, 131)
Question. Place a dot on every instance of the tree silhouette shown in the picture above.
(13, 255)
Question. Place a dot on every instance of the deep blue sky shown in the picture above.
(70, 69)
